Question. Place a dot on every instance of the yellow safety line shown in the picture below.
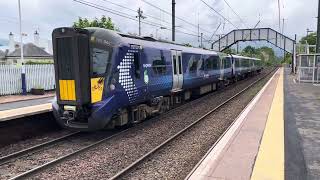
(270, 160)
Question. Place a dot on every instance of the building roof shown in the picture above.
(29, 50)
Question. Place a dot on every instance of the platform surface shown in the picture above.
(25, 110)
(25, 103)
(302, 129)
(234, 155)
(276, 137)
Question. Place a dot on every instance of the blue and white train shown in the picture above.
(106, 79)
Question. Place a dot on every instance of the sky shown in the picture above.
(45, 15)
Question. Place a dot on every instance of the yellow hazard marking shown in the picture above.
(67, 90)
(270, 161)
(96, 89)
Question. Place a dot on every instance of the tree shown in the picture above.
(266, 54)
(249, 51)
(103, 22)
(311, 39)
(287, 59)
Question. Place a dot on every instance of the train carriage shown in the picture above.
(106, 78)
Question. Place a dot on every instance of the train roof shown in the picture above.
(120, 38)
(237, 56)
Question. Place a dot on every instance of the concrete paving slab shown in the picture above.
(302, 129)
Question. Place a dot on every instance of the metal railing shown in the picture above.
(308, 68)
(37, 76)
(256, 34)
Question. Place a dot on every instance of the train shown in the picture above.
(105, 79)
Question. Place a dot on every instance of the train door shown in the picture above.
(177, 70)
(138, 75)
(222, 67)
(232, 66)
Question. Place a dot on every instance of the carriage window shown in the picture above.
(136, 57)
(209, 63)
(212, 63)
(215, 60)
(159, 65)
(202, 62)
(100, 61)
(227, 62)
(246, 63)
(237, 62)
(192, 64)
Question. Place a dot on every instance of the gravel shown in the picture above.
(179, 157)
(11, 148)
(21, 129)
(48, 153)
(108, 158)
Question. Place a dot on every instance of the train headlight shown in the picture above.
(112, 87)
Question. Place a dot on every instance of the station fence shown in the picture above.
(37, 76)
(309, 68)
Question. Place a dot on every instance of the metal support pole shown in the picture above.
(237, 47)
(173, 19)
(23, 72)
(198, 32)
(219, 42)
(293, 64)
(283, 26)
(318, 30)
(140, 16)
(284, 49)
(139, 23)
(201, 40)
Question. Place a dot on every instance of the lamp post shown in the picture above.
(23, 72)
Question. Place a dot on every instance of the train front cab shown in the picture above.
(80, 79)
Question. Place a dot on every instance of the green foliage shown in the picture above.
(311, 39)
(287, 59)
(38, 62)
(103, 22)
(266, 54)
(249, 51)
(230, 51)
(188, 45)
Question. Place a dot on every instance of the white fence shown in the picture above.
(309, 68)
(37, 76)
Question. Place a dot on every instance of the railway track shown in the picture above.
(24, 152)
(46, 165)
(181, 132)
(9, 160)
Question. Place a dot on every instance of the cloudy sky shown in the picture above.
(45, 15)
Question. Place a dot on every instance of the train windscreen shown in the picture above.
(65, 58)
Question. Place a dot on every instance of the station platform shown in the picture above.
(277, 136)
(19, 109)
